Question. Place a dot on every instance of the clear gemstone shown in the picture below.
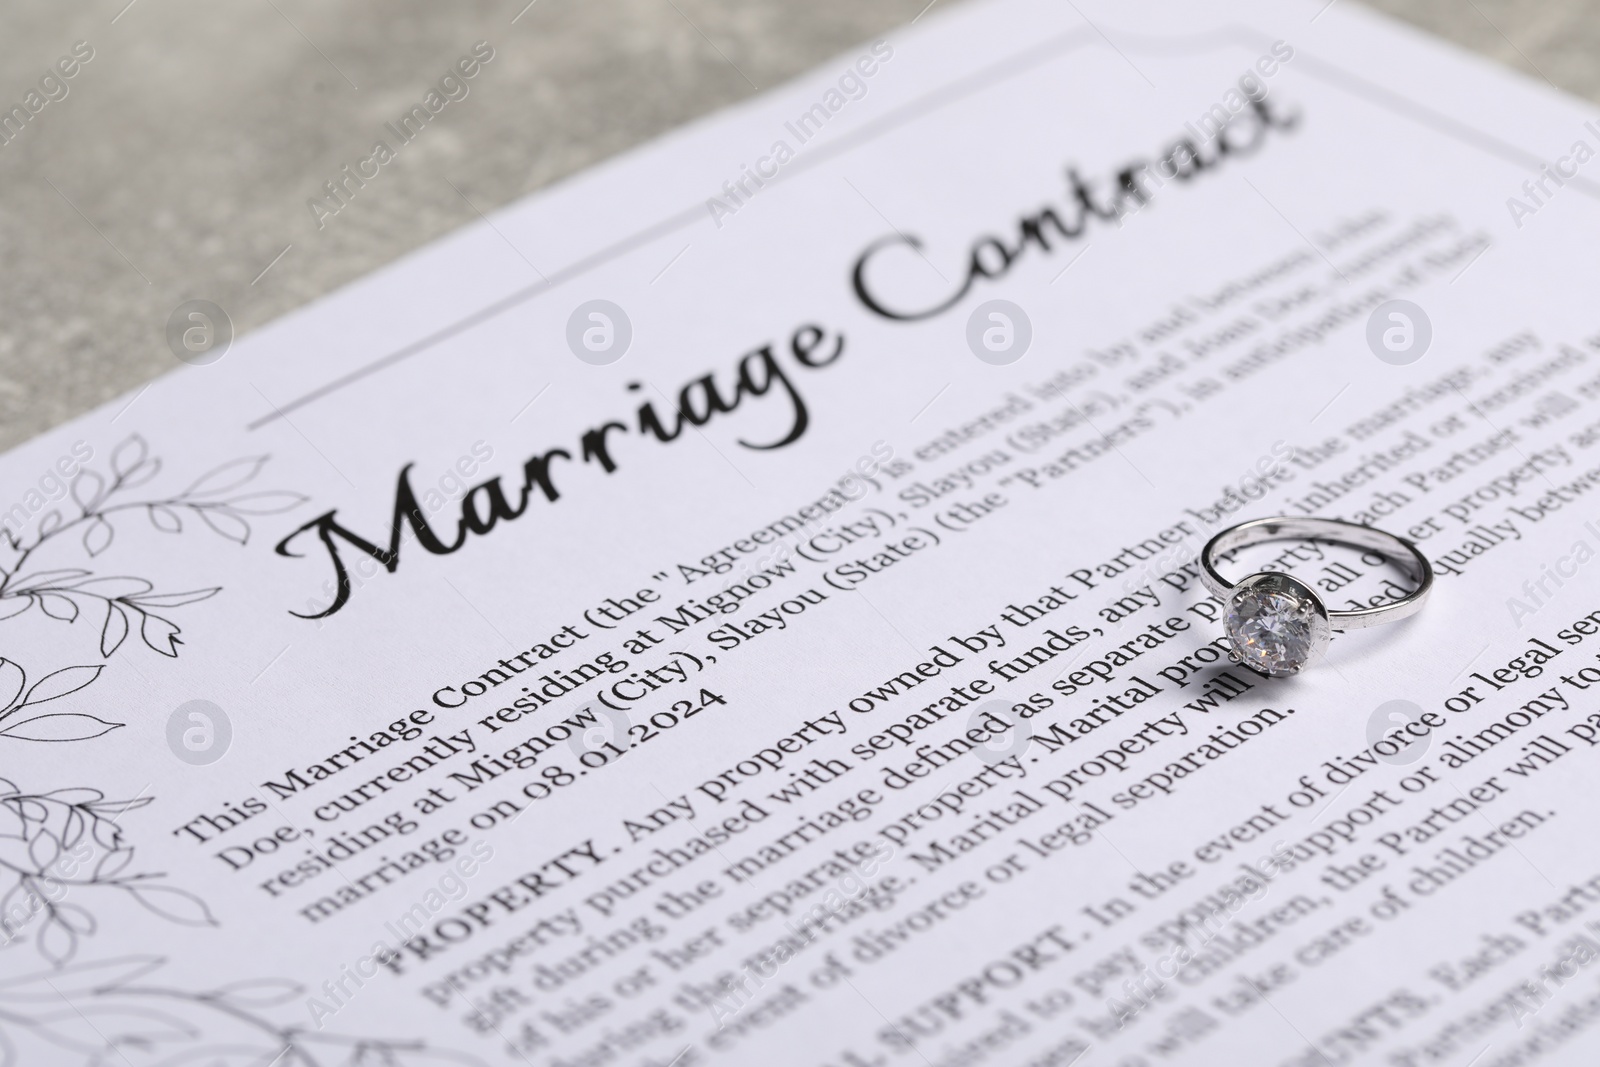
(1271, 630)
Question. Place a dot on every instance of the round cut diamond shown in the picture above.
(1272, 630)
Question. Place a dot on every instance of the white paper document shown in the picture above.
(740, 606)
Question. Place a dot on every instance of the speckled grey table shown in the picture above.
(179, 162)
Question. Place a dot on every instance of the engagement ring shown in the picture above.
(1278, 623)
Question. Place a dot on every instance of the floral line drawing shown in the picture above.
(63, 848)
(120, 604)
(101, 1012)
(51, 726)
(55, 845)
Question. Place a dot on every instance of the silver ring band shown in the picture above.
(1276, 623)
(1287, 528)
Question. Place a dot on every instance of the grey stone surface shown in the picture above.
(180, 161)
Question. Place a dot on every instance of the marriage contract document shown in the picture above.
(741, 605)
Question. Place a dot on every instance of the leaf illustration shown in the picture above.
(88, 489)
(8, 788)
(56, 941)
(107, 834)
(43, 850)
(56, 579)
(17, 905)
(73, 830)
(230, 475)
(15, 853)
(260, 992)
(173, 600)
(117, 587)
(164, 518)
(59, 726)
(227, 524)
(178, 905)
(219, 498)
(128, 454)
(77, 795)
(141, 474)
(113, 863)
(12, 679)
(97, 538)
(58, 607)
(31, 810)
(60, 683)
(76, 919)
(114, 631)
(117, 807)
(267, 503)
(160, 634)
